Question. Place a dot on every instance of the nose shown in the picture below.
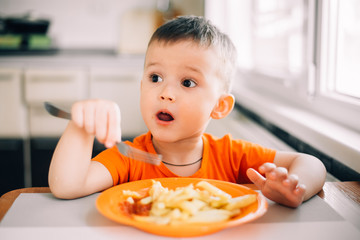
(167, 94)
(170, 99)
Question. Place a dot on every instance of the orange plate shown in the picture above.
(108, 204)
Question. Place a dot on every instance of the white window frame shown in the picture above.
(345, 109)
(328, 122)
(310, 92)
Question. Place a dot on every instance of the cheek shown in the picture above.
(144, 101)
(209, 100)
(198, 110)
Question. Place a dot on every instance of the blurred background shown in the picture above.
(63, 51)
(91, 24)
(297, 86)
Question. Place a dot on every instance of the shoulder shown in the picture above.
(239, 145)
(211, 138)
(142, 140)
(226, 140)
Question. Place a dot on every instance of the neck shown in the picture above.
(180, 153)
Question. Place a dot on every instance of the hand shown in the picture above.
(100, 118)
(278, 185)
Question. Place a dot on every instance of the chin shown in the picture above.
(164, 136)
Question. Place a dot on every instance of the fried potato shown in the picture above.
(240, 202)
(204, 203)
(131, 194)
(213, 190)
(210, 215)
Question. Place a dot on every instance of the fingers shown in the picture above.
(272, 172)
(278, 185)
(256, 178)
(89, 118)
(100, 118)
(291, 181)
(300, 190)
(77, 114)
(267, 167)
(101, 123)
(113, 127)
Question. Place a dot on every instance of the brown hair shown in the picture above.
(203, 32)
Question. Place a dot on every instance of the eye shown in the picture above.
(188, 83)
(155, 78)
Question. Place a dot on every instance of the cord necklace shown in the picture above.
(182, 165)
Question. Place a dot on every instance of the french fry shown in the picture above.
(159, 211)
(130, 200)
(204, 203)
(131, 194)
(213, 190)
(146, 200)
(240, 202)
(156, 189)
(211, 215)
(192, 207)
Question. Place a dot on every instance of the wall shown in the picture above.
(28, 134)
(88, 23)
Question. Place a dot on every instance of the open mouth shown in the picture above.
(164, 116)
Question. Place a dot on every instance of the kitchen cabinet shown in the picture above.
(12, 108)
(61, 85)
(11, 164)
(123, 87)
(12, 129)
(58, 84)
(28, 134)
(42, 149)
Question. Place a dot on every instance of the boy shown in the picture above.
(188, 69)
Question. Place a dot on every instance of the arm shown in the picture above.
(291, 179)
(72, 174)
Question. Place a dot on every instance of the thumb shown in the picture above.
(255, 177)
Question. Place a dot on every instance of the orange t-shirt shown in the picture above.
(223, 159)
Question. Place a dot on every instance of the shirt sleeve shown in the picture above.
(252, 156)
(115, 164)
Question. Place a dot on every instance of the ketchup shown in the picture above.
(135, 208)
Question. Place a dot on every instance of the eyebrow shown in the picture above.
(187, 67)
(151, 64)
(194, 69)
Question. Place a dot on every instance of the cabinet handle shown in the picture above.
(114, 78)
(40, 79)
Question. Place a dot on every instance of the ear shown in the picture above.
(223, 107)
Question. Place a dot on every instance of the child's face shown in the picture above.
(179, 89)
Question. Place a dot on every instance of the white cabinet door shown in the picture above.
(61, 86)
(123, 87)
(12, 110)
(55, 84)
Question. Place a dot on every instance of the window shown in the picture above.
(305, 52)
(341, 36)
(278, 37)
